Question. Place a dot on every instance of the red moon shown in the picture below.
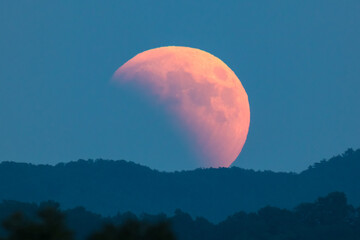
(201, 92)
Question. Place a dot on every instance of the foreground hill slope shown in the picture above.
(329, 217)
(107, 187)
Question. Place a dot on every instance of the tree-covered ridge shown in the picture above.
(106, 186)
(48, 222)
(329, 217)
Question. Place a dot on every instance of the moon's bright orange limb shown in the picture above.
(202, 92)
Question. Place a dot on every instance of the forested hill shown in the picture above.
(107, 187)
(330, 218)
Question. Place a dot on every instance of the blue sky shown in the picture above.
(298, 61)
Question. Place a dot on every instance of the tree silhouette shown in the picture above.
(50, 225)
(327, 210)
(134, 230)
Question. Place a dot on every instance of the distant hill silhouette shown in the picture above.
(107, 187)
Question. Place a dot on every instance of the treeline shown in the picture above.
(49, 224)
(329, 217)
(106, 186)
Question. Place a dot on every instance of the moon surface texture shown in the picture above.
(201, 96)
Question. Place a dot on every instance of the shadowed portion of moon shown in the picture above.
(147, 133)
(199, 94)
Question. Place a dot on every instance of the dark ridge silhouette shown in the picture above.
(330, 218)
(133, 230)
(105, 186)
(48, 223)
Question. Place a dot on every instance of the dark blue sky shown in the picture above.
(298, 61)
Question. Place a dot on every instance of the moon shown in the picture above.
(201, 95)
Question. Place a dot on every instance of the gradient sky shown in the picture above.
(298, 61)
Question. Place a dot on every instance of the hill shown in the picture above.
(329, 217)
(107, 187)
